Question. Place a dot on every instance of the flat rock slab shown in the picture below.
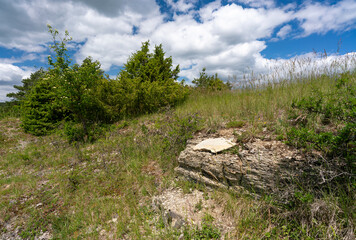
(214, 145)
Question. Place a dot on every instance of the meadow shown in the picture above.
(104, 189)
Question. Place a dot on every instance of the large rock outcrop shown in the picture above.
(258, 165)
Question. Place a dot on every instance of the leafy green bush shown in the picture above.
(77, 85)
(64, 92)
(13, 107)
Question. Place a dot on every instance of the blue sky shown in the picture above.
(229, 37)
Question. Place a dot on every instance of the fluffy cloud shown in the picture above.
(25, 27)
(321, 18)
(113, 8)
(222, 40)
(245, 24)
(110, 49)
(191, 42)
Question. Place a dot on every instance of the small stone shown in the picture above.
(39, 205)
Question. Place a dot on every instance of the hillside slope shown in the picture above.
(123, 185)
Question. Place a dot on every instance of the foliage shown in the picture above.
(13, 108)
(65, 91)
(74, 132)
(78, 85)
(212, 83)
(178, 129)
(334, 112)
(86, 96)
(27, 85)
(148, 83)
(151, 67)
(41, 111)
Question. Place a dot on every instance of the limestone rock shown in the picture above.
(214, 145)
(260, 165)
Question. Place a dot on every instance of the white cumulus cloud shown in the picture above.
(321, 18)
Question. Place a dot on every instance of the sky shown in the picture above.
(228, 37)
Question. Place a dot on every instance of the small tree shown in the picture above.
(149, 82)
(41, 111)
(78, 85)
(79, 92)
(212, 82)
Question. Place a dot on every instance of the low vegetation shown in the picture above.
(79, 175)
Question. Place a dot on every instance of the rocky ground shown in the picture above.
(261, 164)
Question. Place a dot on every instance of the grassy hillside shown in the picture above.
(104, 190)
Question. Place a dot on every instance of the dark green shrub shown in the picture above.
(148, 83)
(78, 85)
(74, 132)
(83, 95)
(41, 111)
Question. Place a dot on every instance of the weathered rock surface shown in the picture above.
(214, 145)
(261, 165)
